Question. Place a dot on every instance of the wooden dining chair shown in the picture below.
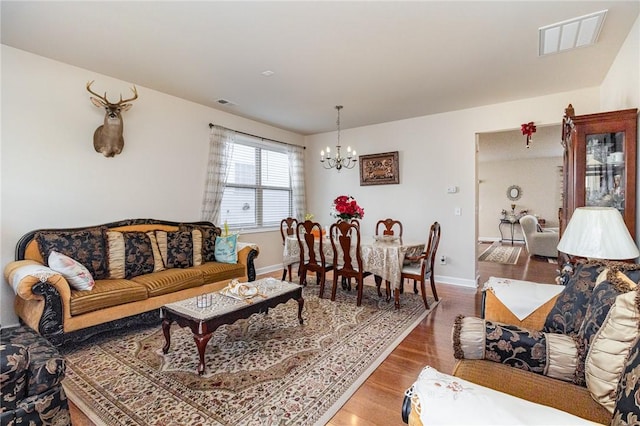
(389, 227)
(288, 229)
(421, 267)
(312, 258)
(347, 235)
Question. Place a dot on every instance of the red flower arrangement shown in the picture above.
(345, 207)
(528, 129)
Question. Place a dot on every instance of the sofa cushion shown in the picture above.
(627, 407)
(227, 249)
(169, 281)
(133, 253)
(550, 354)
(602, 298)
(177, 248)
(106, 293)
(568, 313)
(78, 277)
(610, 347)
(87, 246)
(216, 271)
(209, 234)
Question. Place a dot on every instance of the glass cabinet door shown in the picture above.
(605, 170)
(599, 163)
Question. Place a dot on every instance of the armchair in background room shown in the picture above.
(538, 243)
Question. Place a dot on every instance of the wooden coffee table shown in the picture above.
(204, 320)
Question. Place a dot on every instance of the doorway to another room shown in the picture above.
(514, 181)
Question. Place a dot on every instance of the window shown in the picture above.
(258, 190)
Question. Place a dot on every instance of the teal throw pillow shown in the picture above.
(225, 250)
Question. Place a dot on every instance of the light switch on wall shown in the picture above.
(457, 211)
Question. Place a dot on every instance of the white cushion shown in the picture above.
(78, 277)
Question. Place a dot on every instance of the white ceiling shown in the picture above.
(383, 61)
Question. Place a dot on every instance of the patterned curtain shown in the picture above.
(296, 171)
(221, 143)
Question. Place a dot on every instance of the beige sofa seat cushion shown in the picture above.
(170, 280)
(216, 271)
(106, 293)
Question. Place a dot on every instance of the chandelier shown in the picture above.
(338, 161)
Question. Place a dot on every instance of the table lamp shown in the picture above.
(598, 233)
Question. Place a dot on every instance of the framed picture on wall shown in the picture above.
(379, 169)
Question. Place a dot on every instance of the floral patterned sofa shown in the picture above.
(74, 283)
(30, 381)
(583, 358)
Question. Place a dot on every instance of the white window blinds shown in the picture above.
(258, 190)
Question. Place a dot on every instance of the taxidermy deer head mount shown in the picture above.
(107, 139)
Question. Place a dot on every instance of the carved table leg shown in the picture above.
(201, 343)
(166, 330)
(396, 293)
(300, 306)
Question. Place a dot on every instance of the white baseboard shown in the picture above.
(268, 269)
(488, 239)
(455, 281)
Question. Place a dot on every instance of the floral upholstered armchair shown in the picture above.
(31, 373)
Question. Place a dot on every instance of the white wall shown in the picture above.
(52, 177)
(540, 181)
(436, 152)
(621, 88)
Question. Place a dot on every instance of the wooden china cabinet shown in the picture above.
(600, 163)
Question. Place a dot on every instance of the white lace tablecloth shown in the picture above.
(382, 258)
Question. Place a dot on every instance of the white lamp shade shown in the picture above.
(598, 233)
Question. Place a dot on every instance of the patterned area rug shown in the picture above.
(267, 370)
(501, 254)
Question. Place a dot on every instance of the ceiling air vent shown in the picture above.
(570, 34)
(225, 102)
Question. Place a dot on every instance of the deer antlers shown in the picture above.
(106, 101)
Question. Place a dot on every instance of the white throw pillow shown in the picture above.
(78, 277)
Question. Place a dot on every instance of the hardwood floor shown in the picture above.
(379, 400)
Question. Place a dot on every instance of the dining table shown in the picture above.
(383, 256)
